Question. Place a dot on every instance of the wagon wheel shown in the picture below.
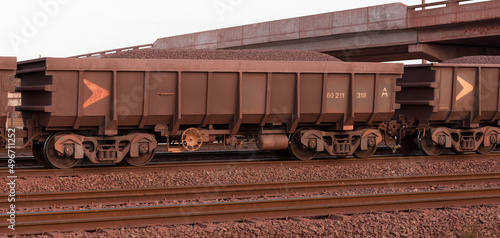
(409, 145)
(37, 150)
(297, 149)
(192, 139)
(55, 159)
(486, 149)
(363, 154)
(143, 158)
(427, 146)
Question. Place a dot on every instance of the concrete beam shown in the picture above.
(372, 19)
(376, 54)
(256, 33)
(431, 52)
(345, 41)
(460, 32)
(435, 52)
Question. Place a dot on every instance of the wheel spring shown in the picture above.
(467, 143)
(106, 154)
(342, 148)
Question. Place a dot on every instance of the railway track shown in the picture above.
(190, 193)
(212, 150)
(203, 156)
(234, 164)
(28, 162)
(36, 223)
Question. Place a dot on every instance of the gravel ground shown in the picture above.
(479, 59)
(476, 222)
(248, 175)
(284, 195)
(469, 222)
(251, 54)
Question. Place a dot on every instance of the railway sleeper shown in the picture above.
(481, 140)
(361, 143)
(136, 148)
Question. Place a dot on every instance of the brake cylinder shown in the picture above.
(272, 142)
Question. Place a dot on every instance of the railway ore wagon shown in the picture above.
(113, 110)
(7, 68)
(453, 106)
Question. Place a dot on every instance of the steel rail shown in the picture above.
(161, 154)
(190, 193)
(245, 163)
(30, 162)
(172, 154)
(35, 223)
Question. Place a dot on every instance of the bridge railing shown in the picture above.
(100, 54)
(440, 3)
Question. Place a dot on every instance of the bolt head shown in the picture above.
(69, 150)
(143, 148)
(371, 142)
(493, 139)
(442, 140)
(312, 144)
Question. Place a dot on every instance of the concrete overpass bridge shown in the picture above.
(436, 32)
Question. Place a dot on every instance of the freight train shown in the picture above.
(119, 110)
(7, 69)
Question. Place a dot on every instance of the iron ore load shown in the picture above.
(7, 69)
(118, 110)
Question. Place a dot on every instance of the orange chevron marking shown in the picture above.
(98, 93)
(466, 88)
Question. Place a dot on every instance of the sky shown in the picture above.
(62, 28)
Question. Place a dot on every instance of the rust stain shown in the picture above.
(481, 30)
(98, 93)
(166, 94)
